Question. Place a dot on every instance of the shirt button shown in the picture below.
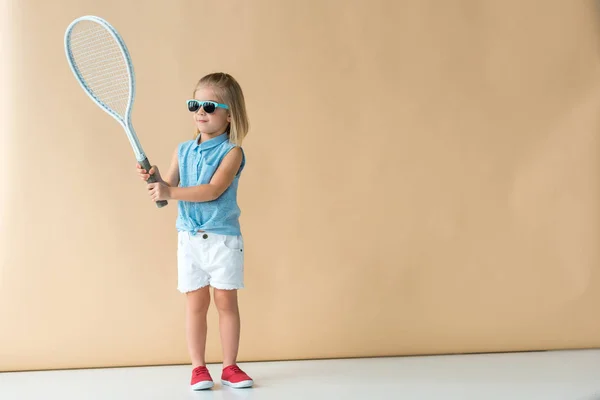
(205, 236)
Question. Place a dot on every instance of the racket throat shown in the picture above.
(135, 143)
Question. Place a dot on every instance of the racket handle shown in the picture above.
(146, 165)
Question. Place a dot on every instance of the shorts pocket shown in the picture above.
(234, 243)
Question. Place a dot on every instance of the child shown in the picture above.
(203, 177)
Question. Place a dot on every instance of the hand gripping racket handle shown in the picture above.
(146, 165)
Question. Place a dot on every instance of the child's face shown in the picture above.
(210, 124)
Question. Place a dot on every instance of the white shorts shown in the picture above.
(209, 259)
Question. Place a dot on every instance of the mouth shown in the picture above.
(201, 121)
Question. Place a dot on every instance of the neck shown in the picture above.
(207, 136)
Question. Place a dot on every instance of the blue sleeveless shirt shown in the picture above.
(197, 164)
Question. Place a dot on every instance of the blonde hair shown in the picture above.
(228, 91)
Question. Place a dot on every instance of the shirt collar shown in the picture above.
(213, 142)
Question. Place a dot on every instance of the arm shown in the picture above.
(172, 177)
(172, 173)
(161, 186)
(220, 181)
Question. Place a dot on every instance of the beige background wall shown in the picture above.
(423, 177)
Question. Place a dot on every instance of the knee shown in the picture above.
(226, 301)
(198, 303)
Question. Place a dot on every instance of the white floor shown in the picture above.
(557, 375)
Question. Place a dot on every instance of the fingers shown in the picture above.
(142, 172)
(153, 191)
(153, 188)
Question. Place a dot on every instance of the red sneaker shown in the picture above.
(236, 378)
(201, 379)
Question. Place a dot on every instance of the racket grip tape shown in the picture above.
(152, 179)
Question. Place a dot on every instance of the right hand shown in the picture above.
(144, 175)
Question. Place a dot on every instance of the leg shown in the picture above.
(227, 276)
(197, 307)
(229, 324)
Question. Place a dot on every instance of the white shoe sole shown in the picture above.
(203, 385)
(239, 385)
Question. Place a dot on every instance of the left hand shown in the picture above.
(159, 191)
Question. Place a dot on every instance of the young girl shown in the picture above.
(203, 177)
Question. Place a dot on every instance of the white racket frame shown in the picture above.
(125, 121)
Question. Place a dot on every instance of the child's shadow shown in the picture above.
(238, 394)
(219, 392)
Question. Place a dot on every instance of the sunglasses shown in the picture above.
(208, 106)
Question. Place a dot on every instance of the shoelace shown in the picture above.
(199, 371)
(235, 369)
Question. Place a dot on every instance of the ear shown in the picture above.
(228, 117)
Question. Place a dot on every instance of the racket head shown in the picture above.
(101, 63)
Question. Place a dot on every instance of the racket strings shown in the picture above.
(101, 65)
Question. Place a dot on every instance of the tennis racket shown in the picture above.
(101, 64)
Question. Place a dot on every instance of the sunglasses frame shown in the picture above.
(202, 103)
